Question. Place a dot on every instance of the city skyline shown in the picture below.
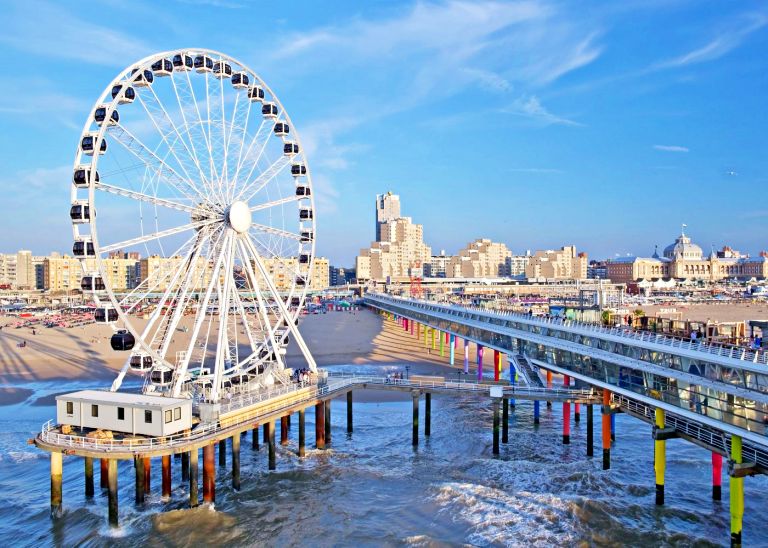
(598, 137)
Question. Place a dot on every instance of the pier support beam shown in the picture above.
(479, 362)
(737, 494)
(415, 436)
(466, 357)
(209, 474)
(327, 423)
(223, 453)
(590, 431)
(272, 464)
(302, 432)
(138, 463)
(193, 471)
(566, 413)
(320, 425)
(659, 458)
(536, 412)
(103, 473)
(512, 377)
(505, 421)
(452, 348)
(88, 462)
(427, 414)
(613, 427)
(549, 385)
(495, 405)
(236, 462)
(185, 466)
(606, 412)
(166, 492)
(255, 438)
(147, 475)
(442, 337)
(496, 365)
(576, 412)
(112, 497)
(284, 430)
(57, 468)
(349, 412)
(717, 476)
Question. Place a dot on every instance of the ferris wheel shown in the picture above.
(194, 222)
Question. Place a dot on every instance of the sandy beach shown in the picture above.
(84, 353)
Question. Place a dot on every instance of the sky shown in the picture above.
(539, 124)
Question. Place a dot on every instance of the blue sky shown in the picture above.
(601, 124)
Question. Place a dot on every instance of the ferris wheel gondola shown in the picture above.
(200, 180)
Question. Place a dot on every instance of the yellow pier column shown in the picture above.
(737, 494)
(660, 459)
(434, 345)
(56, 474)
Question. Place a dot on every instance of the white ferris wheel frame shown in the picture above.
(231, 243)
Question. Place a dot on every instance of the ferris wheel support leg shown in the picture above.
(283, 309)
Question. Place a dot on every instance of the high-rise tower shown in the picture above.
(387, 209)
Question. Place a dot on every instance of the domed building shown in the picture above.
(684, 260)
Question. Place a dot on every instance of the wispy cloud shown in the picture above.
(531, 108)
(726, 41)
(45, 29)
(671, 148)
(215, 3)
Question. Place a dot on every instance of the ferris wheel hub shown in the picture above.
(239, 216)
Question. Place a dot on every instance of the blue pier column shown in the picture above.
(466, 357)
(452, 347)
(535, 411)
(613, 426)
(512, 378)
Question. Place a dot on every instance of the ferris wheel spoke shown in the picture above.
(257, 227)
(140, 196)
(222, 347)
(156, 235)
(152, 103)
(242, 139)
(133, 145)
(253, 187)
(285, 314)
(184, 106)
(260, 137)
(214, 102)
(262, 306)
(149, 284)
(202, 316)
(275, 203)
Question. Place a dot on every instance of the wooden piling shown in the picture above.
(209, 474)
(193, 471)
(88, 462)
(112, 497)
(349, 412)
(57, 469)
(302, 432)
(236, 462)
(166, 477)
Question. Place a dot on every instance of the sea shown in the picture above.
(373, 488)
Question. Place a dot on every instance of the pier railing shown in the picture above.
(337, 382)
(717, 349)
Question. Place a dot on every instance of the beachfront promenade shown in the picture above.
(713, 395)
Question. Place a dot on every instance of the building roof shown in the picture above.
(125, 398)
(684, 247)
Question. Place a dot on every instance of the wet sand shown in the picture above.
(10, 395)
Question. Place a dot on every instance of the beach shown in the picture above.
(84, 353)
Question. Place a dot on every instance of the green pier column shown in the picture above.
(236, 462)
(112, 486)
(737, 494)
(193, 473)
(88, 462)
(57, 469)
(415, 437)
(302, 432)
(495, 404)
(140, 478)
(349, 412)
